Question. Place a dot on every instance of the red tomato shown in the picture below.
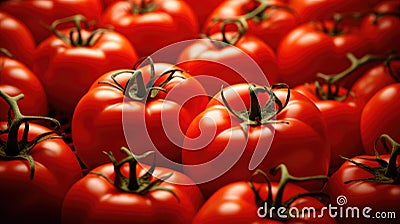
(37, 15)
(35, 171)
(247, 202)
(113, 193)
(148, 122)
(152, 25)
(375, 79)
(383, 28)
(16, 78)
(107, 3)
(335, 113)
(381, 115)
(203, 9)
(238, 58)
(222, 147)
(67, 66)
(368, 182)
(319, 48)
(16, 38)
(310, 10)
(270, 20)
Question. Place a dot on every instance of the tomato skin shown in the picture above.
(38, 14)
(344, 142)
(16, 38)
(171, 22)
(67, 71)
(383, 33)
(203, 9)
(287, 143)
(105, 112)
(380, 116)
(236, 203)
(230, 64)
(379, 197)
(38, 200)
(309, 10)
(16, 78)
(317, 51)
(94, 200)
(271, 30)
(373, 80)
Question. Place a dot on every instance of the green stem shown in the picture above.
(255, 108)
(135, 88)
(20, 149)
(262, 7)
(391, 169)
(286, 178)
(332, 79)
(71, 39)
(145, 6)
(6, 52)
(386, 172)
(133, 183)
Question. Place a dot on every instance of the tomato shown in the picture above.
(224, 146)
(309, 10)
(152, 24)
(108, 117)
(269, 20)
(126, 192)
(382, 28)
(336, 113)
(230, 57)
(322, 48)
(68, 65)
(16, 38)
(203, 9)
(16, 78)
(37, 15)
(375, 79)
(380, 115)
(248, 202)
(36, 169)
(107, 3)
(368, 182)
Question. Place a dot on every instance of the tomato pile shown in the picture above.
(187, 111)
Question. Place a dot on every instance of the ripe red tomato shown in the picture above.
(68, 65)
(203, 9)
(152, 25)
(381, 115)
(383, 30)
(143, 121)
(222, 147)
(309, 10)
(319, 48)
(107, 3)
(368, 182)
(248, 202)
(270, 20)
(35, 171)
(231, 57)
(16, 38)
(375, 79)
(336, 113)
(37, 15)
(16, 78)
(126, 192)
